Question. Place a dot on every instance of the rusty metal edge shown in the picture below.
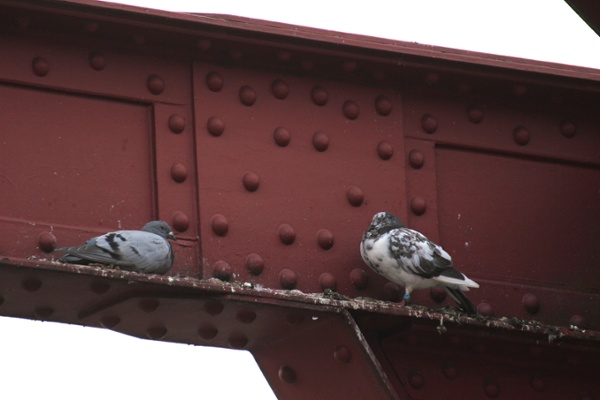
(327, 300)
(241, 27)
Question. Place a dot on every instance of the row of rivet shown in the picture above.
(280, 90)
(521, 134)
(341, 354)
(41, 67)
(530, 302)
(491, 387)
(288, 279)
(282, 137)
(179, 172)
(287, 234)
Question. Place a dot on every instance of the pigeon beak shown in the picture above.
(171, 236)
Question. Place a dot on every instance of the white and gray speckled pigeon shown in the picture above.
(146, 250)
(408, 258)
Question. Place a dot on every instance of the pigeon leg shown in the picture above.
(405, 298)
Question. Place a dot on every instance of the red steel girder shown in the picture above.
(268, 148)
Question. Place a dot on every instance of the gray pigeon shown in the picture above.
(146, 250)
(408, 258)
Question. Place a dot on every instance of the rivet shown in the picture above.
(342, 354)
(568, 129)
(416, 159)
(156, 85)
(287, 374)
(179, 172)
(176, 123)
(213, 307)
(325, 239)
(245, 316)
(475, 114)
(219, 224)
(574, 360)
(23, 22)
(379, 75)
(485, 309)
(148, 305)
(97, 61)
(520, 90)
(418, 205)
(180, 220)
(282, 136)
(214, 81)
(138, 39)
(392, 292)
(91, 27)
(327, 281)
(432, 78)
(385, 150)
(247, 95)
(156, 332)
(99, 287)
(294, 319)
(250, 181)
(350, 109)
(578, 321)
(215, 126)
(110, 321)
(236, 55)
(255, 264)
(437, 294)
(46, 241)
(222, 270)
(450, 371)
(288, 279)
(320, 141)
(31, 284)
(349, 66)
(280, 89)
(203, 44)
(287, 234)
(464, 87)
(284, 55)
(521, 135)
(208, 332)
(429, 123)
(237, 342)
(537, 383)
(455, 340)
(319, 95)
(383, 105)
(416, 379)
(43, 312)
(355, 195)
(491, 389)
(359, 278)
(40, 66)
(536, 351)
(307, 65)
(531, 303)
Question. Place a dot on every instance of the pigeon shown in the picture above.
(408, 258)
(146, 250)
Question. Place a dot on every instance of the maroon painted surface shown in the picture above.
(268, 148)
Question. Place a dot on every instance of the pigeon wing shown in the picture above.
(137, 250)
(418, 255)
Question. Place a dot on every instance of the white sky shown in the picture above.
(46, 360)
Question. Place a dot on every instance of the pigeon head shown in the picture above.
(160, 228)
(384, 221)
